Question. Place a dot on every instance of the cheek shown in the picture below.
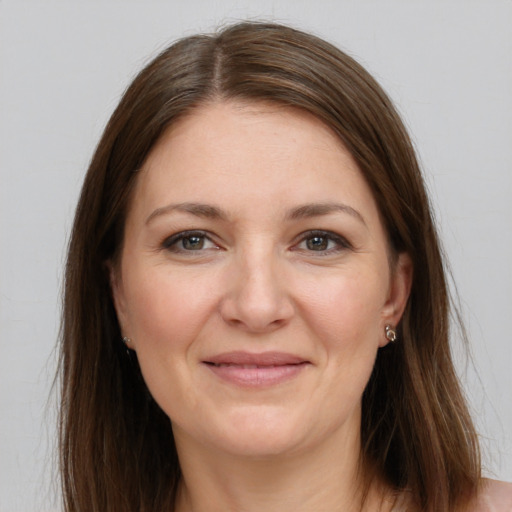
(167, 316)
(167, 310)
(346, 308)
(344, 315)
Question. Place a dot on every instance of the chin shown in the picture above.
(261, 445)
(263, 433)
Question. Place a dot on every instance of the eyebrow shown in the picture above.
(198, 209)
(320, 209)
(207, 211)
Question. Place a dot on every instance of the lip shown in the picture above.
(255, 370)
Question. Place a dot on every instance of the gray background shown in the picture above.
(63, 66)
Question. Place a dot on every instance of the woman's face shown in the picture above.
(255, 282)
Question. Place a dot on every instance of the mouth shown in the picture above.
(256, 370)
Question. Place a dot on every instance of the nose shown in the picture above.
(257, 299)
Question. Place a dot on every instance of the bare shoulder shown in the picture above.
(494, 496)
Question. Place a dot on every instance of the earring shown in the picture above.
(390, 333)
(127, 342)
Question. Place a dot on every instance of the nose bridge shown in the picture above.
(258, 297)
(258, 276)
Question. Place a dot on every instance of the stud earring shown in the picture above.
(127, 346)
(390, 333)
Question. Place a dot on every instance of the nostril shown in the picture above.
(234, 322)
(254, 326)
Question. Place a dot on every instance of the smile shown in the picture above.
(256, 370)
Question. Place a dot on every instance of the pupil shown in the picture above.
(317, 243)
(193, 243)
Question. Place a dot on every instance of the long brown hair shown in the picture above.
(117, 449)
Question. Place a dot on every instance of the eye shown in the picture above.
(318, 243)
(322, 242)
(189, 241)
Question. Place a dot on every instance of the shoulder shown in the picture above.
(494, 496)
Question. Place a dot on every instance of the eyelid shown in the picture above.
(342, 242)
(172, 240)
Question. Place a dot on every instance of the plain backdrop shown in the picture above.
(63, 65)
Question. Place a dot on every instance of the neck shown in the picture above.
(324, 478)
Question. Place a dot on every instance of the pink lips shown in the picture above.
(256, 370)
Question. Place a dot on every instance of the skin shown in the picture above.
(267, 274)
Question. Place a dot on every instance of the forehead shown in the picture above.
(227, 128)
(238, 153)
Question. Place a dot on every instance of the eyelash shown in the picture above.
(171, 243)
(341, 243)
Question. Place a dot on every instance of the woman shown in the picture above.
(256, 313)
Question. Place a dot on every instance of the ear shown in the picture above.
(118, 298)
(398, 294)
